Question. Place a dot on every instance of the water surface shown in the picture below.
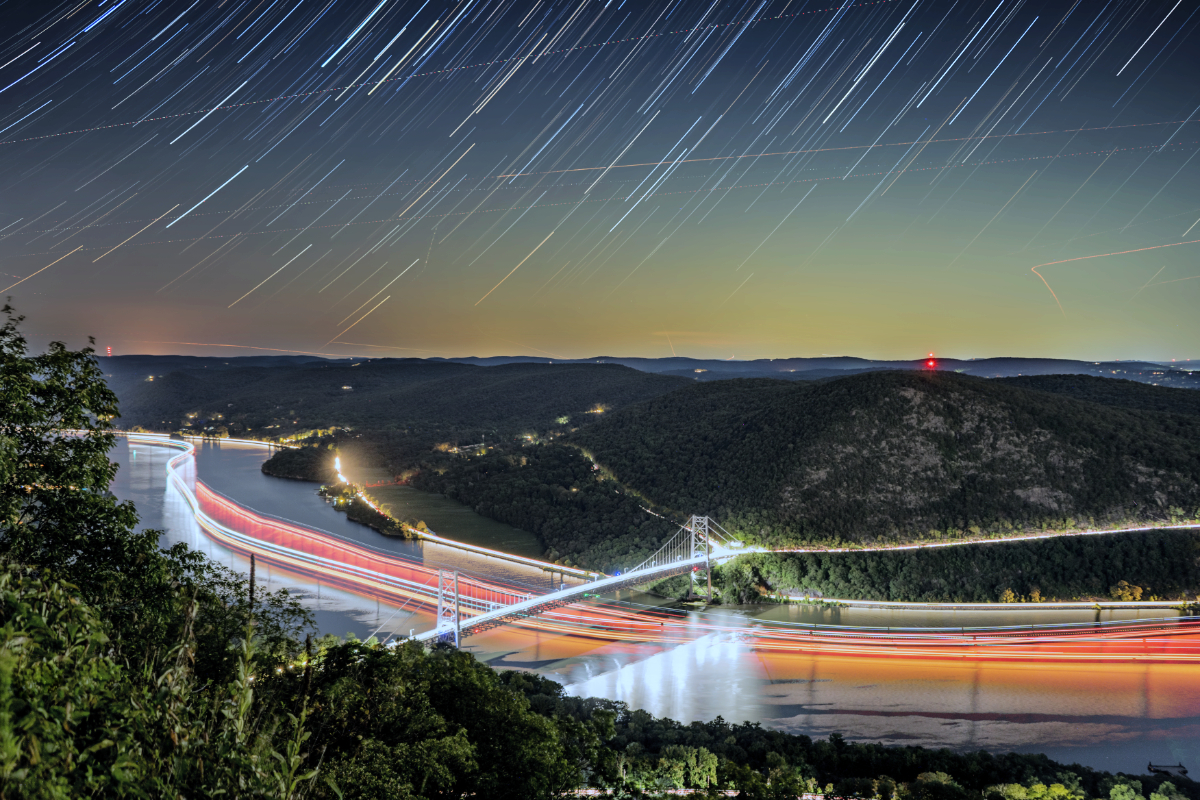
(1108, 716)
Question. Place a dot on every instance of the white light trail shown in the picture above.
(210, 111)
(214, 191)
(272, 275)
(160, 216)
(1148, 38)
(40, 271)
(381, 291)
(772, 233)
(514, 269)
(354, 33)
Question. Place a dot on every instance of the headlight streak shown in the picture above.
(364, 571)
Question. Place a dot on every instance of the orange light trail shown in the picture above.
(376, 574)
(236, 347)
(1098, 255)
(40, 271)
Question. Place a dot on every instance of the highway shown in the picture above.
(580, 609)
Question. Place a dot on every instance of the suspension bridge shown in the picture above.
(692, 550)
(468, 603)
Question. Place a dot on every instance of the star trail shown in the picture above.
(755, 178)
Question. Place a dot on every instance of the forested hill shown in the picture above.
(884, 455)
(1113, 392)
(384, 394)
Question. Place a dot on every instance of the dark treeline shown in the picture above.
(1115, 392)
(432, 401)
(312, 463)
(555, 492)
(1162, 564)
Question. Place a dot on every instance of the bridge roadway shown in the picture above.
(481, 601)
(542, 603)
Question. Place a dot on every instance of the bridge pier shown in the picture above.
(701, 546)
(448, 618)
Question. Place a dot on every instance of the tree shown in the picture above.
(56, 513)
(55, 507)
(1123, 791)
(75, 722)
(405, 722)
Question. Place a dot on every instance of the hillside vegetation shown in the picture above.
(869, 459)
(898, 455)
(1128, 566)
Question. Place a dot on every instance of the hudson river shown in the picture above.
(1112, 716)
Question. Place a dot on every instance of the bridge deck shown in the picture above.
(537, 605)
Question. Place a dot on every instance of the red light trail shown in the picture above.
(375, 574)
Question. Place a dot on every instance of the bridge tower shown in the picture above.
(448, 606)
(701, 546)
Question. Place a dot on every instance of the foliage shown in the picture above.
(312, 463)
(55, 508)
(889, 456)
(407, 722)
(76, 722)
(1163, 563)
(1115, 392)
(556, 493)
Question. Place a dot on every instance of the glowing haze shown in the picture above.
(568, 178)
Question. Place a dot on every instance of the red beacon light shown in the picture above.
(931, 363)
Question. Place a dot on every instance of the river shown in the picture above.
(1112, 716)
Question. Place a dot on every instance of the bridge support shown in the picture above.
(701, 547)
(448, 624)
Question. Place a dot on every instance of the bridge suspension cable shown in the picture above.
(693, 547)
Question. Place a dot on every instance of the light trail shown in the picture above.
(372, 573)
(156, 219)
(272, 275)
(514, 269)
(40, 271)
(1099, 255)
(237, 346)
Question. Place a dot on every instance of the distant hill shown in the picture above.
(384, 394)
(853, 453)
(1114, 392)
(1177, 375)
(884, 455)
(875, 457)
(126, 370)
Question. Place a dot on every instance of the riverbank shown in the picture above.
(1034, 707)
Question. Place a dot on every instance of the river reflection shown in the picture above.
(1109, 716)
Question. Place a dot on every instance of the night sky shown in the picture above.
(570, 178)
